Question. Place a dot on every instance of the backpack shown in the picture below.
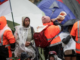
(40, 39)
(32, 32)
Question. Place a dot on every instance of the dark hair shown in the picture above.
(51, 55)
(70, 27)
(24, 21)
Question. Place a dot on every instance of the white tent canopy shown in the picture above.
(22, 8)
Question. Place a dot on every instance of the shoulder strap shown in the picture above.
(32, 31)
(46, 27)
(53, 38)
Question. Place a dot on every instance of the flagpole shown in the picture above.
(12, 15)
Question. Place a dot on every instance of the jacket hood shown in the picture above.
(23, 19)
(3, 22)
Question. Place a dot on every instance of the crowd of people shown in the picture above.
(64, 41)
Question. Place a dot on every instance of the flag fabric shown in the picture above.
(2, 1)
(4, 7)
(22, 8)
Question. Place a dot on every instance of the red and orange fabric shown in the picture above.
(75, 33)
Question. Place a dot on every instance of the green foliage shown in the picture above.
(10, 24)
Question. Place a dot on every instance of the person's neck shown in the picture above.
(49, 23)
(26, 26)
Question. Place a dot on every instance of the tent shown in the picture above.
(52, 8)
(22, 8)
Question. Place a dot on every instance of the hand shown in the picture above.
(60, 18)
(38, 27)
(53, 20)
(27, 43)
(59, 21)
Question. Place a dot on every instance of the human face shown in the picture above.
(28, 59)
(43, 19)
(26, 22)
(52, 58)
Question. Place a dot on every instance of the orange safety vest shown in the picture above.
(78, 38)
(2, 41)
(51, 32)
(6, 36)
(55, 41)
(1, 37)
(76, 32)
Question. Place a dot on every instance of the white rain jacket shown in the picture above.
(21, 36)
(71, 44)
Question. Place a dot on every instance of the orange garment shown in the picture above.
(55, 41)
(74, 32)
(51, 32)
(8, 37)
(3, 22)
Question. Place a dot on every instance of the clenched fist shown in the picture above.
(27, 43)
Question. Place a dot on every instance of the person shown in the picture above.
(24, 38)
(46, 20)
(7, 40)
(68, 44)
(75, 33)
(53, 56)
(49, 33)
(55, 44)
